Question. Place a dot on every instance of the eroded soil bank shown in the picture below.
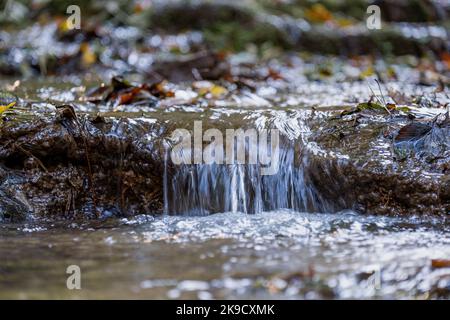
(76, 165)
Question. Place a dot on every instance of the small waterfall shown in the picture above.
(165, 186)
(269, 139)
(202, 189)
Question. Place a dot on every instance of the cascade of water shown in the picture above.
(201, 189)
(165, 186)
(242, 185)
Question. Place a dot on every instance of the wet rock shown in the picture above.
(69, 165)
(86, 168)
(367, 174)
(13, 206)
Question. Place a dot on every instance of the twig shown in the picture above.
(86, 150)
(28, 153)
(383, 104)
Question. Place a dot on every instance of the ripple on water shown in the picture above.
(280, 253)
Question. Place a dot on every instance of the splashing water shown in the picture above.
(277, 254)
(202, 189)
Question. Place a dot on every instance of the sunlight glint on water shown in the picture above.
(277, 254)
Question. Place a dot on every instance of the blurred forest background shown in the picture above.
(35, 37)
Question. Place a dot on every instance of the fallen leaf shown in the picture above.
(204, 88)
(370, 106)
(7, 101)
(440, 263)
(391, 106)
(64, 25)
(273, 74)
(344, 22)
(218, 91)
(367, 73)
(445, 56)
(4, 108)
(160, 90)
(412, 131)
(97, 94)
(88, 57)
(318, 13)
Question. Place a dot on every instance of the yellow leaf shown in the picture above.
(318, 13)
(344, 22)
(218, 91)
(64, 26)
(367, 73)
(88, 56)
(4, 108)
(206, 87)
(391, 72)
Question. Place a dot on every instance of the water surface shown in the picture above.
(277, 254)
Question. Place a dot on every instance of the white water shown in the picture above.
(203, 189)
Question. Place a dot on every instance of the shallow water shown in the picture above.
(277, 254)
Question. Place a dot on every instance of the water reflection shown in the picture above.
(274, 254)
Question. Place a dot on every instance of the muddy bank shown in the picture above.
(231, 65)
(80, 167)
(64, 165)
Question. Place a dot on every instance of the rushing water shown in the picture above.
(276, 254)
(203, 189)
(261, 168)
(227, 230)
(259, 243)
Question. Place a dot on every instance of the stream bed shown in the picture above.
(357, 207)
(203, 253)
(277, 254)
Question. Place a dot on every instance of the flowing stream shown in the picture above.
(230, 232)
(274, 254)
(204, 189)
